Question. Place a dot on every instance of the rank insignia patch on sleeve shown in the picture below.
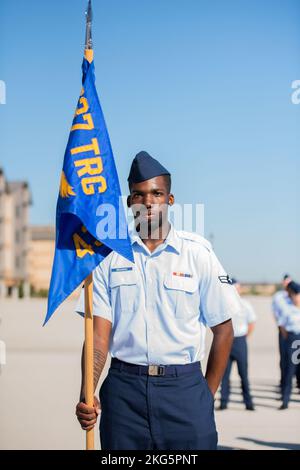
(225, 279)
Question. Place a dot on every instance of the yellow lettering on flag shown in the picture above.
(84, 108)
(91, 166)
(84, 127)
(96, 242)
(82, 247)
(88, 184)
(94, 146)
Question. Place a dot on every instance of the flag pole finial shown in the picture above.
(89, 19)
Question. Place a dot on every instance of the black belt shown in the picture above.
(154, 369)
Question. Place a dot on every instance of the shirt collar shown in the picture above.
(172, 238)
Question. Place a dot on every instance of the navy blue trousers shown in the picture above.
(142, 412)
(290, 368)
(238, 353)
(283, 357)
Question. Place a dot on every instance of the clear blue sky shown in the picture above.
(203, 85)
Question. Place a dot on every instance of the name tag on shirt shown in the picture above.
(120, 270)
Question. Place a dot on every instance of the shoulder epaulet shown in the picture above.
(195, 238)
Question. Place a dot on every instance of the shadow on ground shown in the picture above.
(276, 445)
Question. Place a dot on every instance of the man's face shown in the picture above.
(149, 201)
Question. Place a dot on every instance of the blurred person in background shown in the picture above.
(279, 299)
(243, 324)
(290, 330)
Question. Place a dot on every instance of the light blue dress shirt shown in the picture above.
(160, 305)
(291, 321)
(280, 299)
(289, 315)
(242, 319)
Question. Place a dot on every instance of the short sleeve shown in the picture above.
(275, 308)
(219, 300)
(284, 305)
(101, 297)
(278, 305)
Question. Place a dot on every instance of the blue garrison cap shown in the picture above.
(294, 287)
(144, 167)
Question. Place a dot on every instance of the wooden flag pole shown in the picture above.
(89, 352)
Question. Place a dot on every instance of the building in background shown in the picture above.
(41, 252)
(15, 199)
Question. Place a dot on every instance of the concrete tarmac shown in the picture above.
(39, 384)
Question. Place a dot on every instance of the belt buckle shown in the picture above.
(156, 370)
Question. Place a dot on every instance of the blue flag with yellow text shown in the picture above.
(90, 219)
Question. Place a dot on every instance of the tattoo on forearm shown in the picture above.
(99, 363)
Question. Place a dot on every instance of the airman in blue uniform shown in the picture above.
(279, 298)
(290, 330)
(151, 316)
(243, 325)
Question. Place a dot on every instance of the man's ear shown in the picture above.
(128, 201)
(171, 199)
